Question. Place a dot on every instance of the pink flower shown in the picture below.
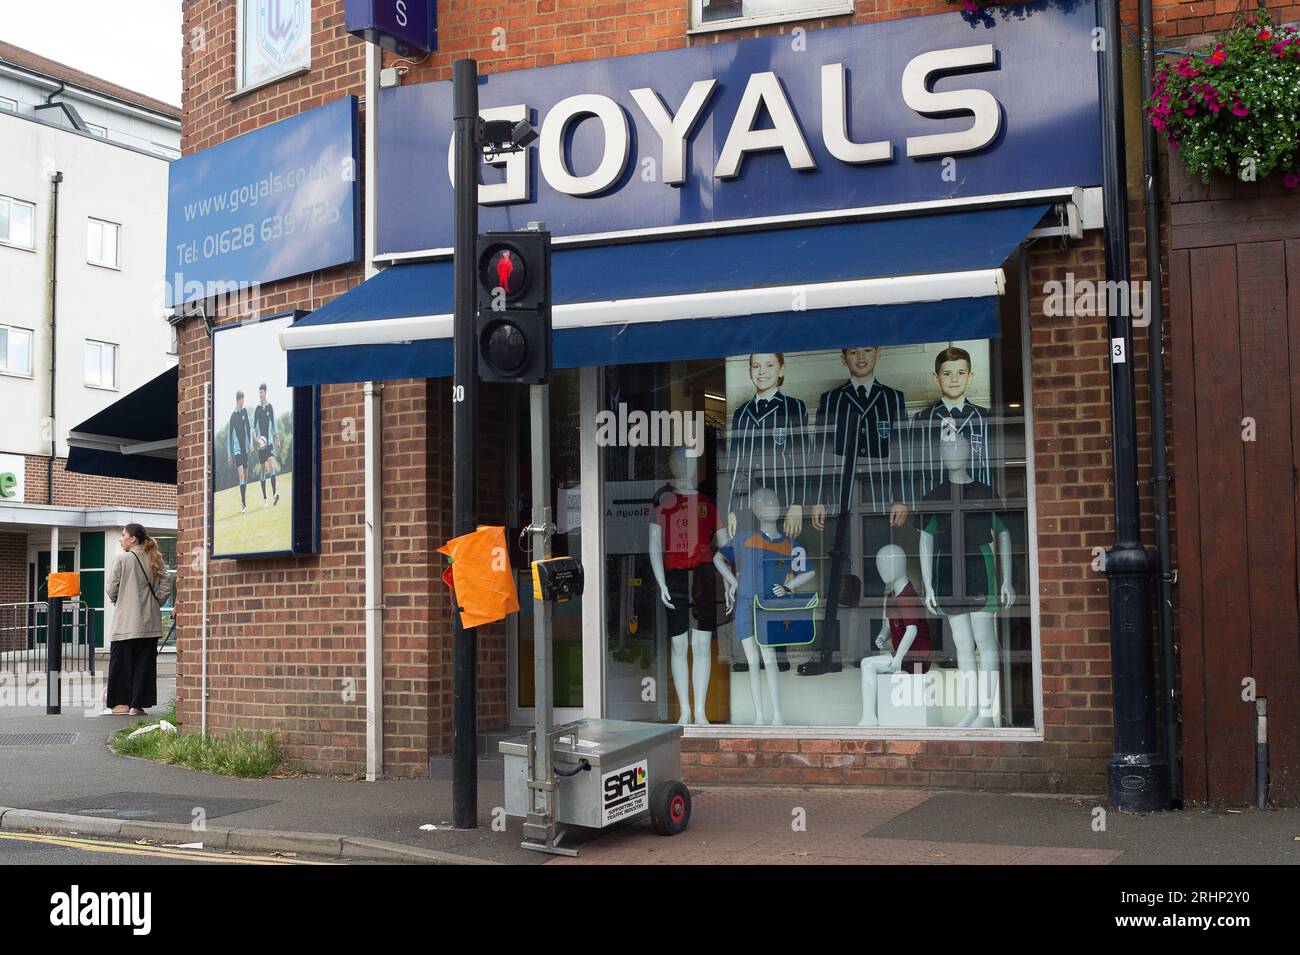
(1239, 108)
(1185, 69)
(1173, 143)
(1159, 123)
(1279, 49)
(970, 5)
(1291, 180)
(1190, 111)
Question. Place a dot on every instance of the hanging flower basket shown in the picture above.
(1236, 107)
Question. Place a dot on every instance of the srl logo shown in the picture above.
(625, 791)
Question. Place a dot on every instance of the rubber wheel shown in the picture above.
(670, 807)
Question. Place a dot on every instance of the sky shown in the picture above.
(134, 43)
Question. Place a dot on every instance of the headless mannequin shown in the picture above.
(973, 634)
(682, 468)
(766, 507)
(891, 564)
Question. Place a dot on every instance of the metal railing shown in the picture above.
(24, 629)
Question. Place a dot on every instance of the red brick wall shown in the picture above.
(13, 587)
(284, 633)
(91, 490)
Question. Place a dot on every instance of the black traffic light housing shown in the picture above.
(513, 329)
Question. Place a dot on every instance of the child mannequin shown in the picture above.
(905, 628)
(685, 526)
(971, 615)
(764, 568)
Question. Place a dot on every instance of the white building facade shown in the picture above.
(83, 196)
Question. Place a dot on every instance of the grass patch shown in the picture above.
(243, 754)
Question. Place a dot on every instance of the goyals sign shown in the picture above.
(928, 108)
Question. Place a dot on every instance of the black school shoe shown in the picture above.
(819, 665)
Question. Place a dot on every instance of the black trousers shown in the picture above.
(133, 673)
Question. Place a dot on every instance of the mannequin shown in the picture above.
(905, 629)
(764, 565)
(684, 528)
(972, 615)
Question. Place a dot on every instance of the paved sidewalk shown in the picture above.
(730, 825)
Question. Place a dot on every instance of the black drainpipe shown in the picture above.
(1172, 708)
(54, 284)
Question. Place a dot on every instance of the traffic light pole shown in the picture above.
(464, 427)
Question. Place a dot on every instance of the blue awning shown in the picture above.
(882, 281)
(134, 437)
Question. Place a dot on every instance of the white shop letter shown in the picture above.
(675, 130)
(835, 122)
(917, 95)
(554, 134)
(763, 89)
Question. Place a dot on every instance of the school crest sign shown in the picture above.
(280, 24)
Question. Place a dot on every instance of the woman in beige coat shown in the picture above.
(138, 585)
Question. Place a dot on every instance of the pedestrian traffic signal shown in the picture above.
(514, 315)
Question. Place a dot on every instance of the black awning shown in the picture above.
(134, 437)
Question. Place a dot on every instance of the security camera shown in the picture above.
(522, 133)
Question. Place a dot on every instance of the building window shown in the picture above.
(174, 345)
(750, 490)
(16, 218)
(101, 365)
(102, 243)
(274, 40)
(725, 14)
(99, 131)
(15, 350)
(8, 105)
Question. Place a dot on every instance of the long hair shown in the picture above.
(151, 551)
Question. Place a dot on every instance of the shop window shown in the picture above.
(824, 538)
(102, 243)
(101, 365)
(15, 350)
(725, 14)
(16, 218)
(273, 41)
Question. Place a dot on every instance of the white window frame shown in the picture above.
(99, 132)
(240, 86)
(117, 244)
(100, 385)
(31, 359)
(30, 205)
(800, 10)
(8, 105)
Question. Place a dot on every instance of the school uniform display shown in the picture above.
(941, 421)
(963, 517)
(769, 448)
(688, 520)
(862, 443)
(903, 610)
(866, 425)
(137, 627)
(762, 564)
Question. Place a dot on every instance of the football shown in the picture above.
(261, 441)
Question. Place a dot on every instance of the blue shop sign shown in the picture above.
(407, 27)
(280, 201)
(920, 109)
